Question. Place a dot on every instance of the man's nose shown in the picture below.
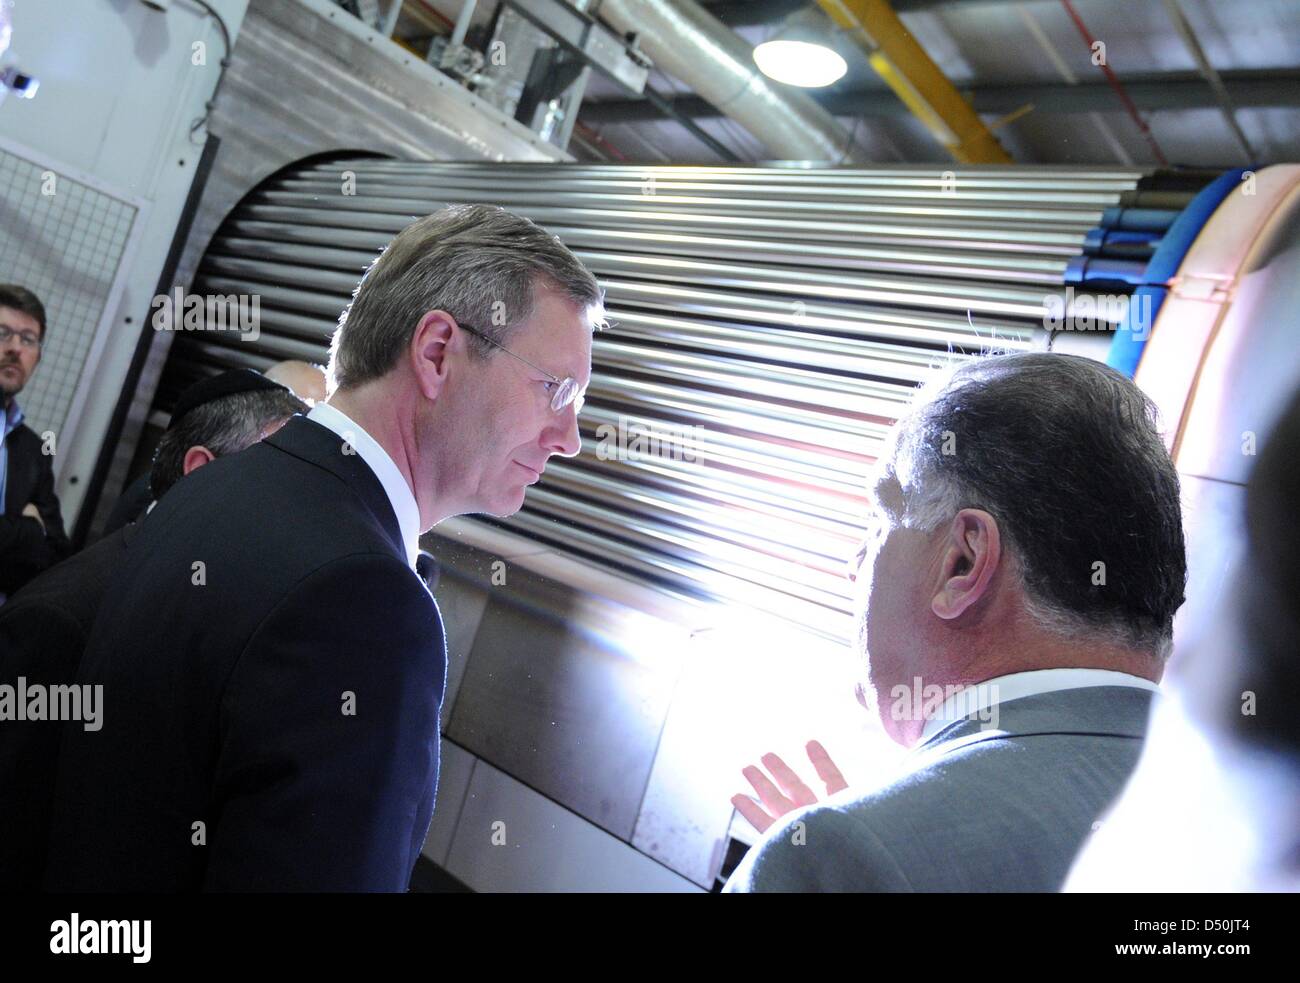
(563, 437)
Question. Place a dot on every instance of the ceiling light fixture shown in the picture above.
(802, 52)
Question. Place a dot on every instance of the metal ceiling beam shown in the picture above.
(1170, 91)
(908, 69)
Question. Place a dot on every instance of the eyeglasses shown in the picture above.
(26, 338)
(563, 391)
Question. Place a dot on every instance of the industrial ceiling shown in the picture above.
(1029, 60)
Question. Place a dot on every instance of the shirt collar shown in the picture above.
(399, 492)
(1016, 685)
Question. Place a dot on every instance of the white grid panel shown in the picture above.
(66, 247)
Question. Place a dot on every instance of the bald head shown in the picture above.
(306, 380)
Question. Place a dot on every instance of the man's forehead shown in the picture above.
(558, 338)
(13, 318)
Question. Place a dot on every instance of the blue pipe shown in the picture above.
(1101, 269)
(1130, 338)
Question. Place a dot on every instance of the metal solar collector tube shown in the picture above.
(768, 325)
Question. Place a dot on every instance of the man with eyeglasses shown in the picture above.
(31, 525)
(274, 724)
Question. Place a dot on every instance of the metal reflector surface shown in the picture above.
(768, 325)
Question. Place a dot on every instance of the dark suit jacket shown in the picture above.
(26, 549)
(133, 503)
(272, 673)
(43, 633)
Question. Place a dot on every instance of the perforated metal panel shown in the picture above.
(66, 241)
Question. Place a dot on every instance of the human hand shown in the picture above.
(792, 794)
(31, 511)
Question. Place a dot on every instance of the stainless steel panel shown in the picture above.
(454, 772)
(461, 604)
(573, 715)
(746, 690)
(509, 838)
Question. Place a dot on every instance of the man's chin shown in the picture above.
(506, 507)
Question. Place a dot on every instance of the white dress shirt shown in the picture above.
(399, 492)
(1016, 685)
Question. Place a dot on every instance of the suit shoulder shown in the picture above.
(1007, 813)
(25, 442)
(41, 621)
(359, 594)
(363, 622)
(1013, 780)
(71, 589)
(24, 434)
(365, 574)
(821, 848)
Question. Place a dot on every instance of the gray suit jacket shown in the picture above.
(1003, 809)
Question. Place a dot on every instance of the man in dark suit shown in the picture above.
(44, 628)
(31, 526)
(273, 666)
(305, 381)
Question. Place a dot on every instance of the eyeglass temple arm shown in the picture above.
(496, 344)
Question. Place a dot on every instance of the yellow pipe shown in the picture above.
(917, 80)
(409, 47)
(1012, 116)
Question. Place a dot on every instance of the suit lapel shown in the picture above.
(309, 441)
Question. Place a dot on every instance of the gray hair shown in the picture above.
(224, 426)
(1065, 453)
(477, 262)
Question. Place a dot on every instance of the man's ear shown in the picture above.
(972, 551)
(430, 348)
(195, 458)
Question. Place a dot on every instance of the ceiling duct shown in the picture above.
(692, 45)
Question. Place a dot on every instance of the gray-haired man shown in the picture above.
(1017, 594)
(276, 726)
